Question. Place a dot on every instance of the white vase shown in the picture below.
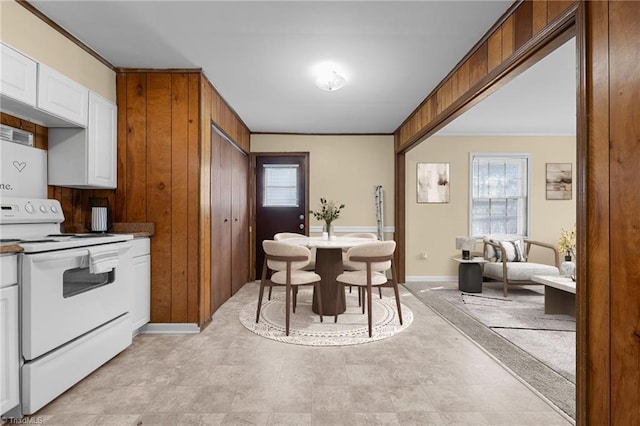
(568, 269)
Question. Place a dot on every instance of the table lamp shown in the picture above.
(465, 244)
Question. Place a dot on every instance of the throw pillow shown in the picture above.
(511, 250)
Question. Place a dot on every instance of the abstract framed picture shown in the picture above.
(559, 181)
(433, 183)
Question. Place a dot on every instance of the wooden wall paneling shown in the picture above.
(508, 40)
(624, 134)
(539, 15)
(193, 198)
(120, 207)
(159, 191)
(594, 356)
(179, 196)
(478, 64)
(205, 205)
(463, 79)
(556, 7)
(41, 137)
(494, 51)
(136, 148)
(523, 23)
(400, 197)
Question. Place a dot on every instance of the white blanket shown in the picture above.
(102, 259)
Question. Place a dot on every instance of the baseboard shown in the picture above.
(169, 328)
(431, 278)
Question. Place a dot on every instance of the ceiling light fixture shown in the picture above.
(330, 81)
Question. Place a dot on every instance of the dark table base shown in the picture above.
(470, 278)
(329, 266)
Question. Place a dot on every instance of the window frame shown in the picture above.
(505, 155)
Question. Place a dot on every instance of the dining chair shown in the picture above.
(370, 262)
(348, 267)
(287, 262)
(283, 236)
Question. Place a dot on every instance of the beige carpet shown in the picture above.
(306, 328)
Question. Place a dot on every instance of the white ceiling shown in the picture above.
(260, 56)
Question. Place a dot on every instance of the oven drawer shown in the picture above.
(61, 300)
(49, 376)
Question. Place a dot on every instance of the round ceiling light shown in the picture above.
(330, 81)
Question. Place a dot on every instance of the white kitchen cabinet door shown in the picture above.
(18, 76)
(61, 96)
(102, 140)
(9, 366)
(86, 158)
(141, 282)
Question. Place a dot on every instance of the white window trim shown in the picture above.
(526, 155)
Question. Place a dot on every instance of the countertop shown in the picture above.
(138, 230)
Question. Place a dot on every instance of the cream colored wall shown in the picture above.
(344, 169)
(432, 228)
(25, 32)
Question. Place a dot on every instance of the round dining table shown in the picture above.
(329, 266)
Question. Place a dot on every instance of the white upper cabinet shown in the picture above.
(102, 140)
(18, 75)
(86, 158)
(61, 96)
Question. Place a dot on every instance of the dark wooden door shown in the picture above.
(281, 202)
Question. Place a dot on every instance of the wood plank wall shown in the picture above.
(517, 28)
(164, 177)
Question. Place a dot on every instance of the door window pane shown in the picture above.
(280, 185)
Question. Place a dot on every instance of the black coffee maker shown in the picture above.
(98, 218)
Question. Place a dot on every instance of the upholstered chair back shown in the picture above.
(373, 249)
(279, 248)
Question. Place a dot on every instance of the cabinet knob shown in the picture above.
(226, 220)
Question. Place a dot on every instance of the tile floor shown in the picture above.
(428, 374)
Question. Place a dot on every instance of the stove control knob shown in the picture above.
(54, 209)
(29, 208)
(43, 208)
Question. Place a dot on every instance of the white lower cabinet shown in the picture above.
(141, 283)
(9, 360)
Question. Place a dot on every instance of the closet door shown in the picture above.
(240, 224)
(220, 225)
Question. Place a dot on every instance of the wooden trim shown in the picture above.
(31, 8)
(321, 134)
(160, 70)
(400, 220)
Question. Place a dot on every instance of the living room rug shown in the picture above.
(306, 329)
(538, 348)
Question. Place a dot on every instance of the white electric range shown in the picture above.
(73, 299)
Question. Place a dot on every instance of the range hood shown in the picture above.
(11, 134)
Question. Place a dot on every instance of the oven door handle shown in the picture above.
(73, 255)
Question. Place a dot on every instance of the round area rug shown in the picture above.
(306, 329)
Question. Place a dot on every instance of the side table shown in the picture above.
(470, 274)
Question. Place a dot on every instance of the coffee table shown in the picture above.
(559, 294)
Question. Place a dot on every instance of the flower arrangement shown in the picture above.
(329, 211)
(567, 241)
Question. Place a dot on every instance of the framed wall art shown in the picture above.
(433, 183)
(559, 181)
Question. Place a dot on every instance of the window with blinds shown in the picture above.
(280, 185)
(499, 194)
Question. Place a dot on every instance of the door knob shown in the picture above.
(301, 226)
(301, 217)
